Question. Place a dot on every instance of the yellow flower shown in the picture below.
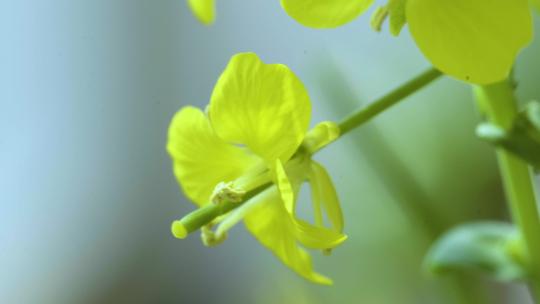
(254, 134)
(476, 41)
(472, 40)
(325, 13)
(204, 10)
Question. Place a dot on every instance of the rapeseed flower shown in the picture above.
(255, 133)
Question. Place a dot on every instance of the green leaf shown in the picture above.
(491, 248)
(523, 138)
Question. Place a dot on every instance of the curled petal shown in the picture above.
(262, 106)
(325, 13)
(204, 10)
(202, 160)
(285, 187)
(317, 237)
(311, 236)
(324, 195)
(272, 226)
(475, 41)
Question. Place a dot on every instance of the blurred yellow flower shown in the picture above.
(204, 10)
(325, 13)
(472, 40)
(536, 4)
(255, 133)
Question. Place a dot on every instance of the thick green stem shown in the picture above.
(500, 105)
(380, 105)
(206, 214)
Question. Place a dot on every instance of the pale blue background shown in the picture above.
(87, 89)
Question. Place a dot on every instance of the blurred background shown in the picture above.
(87, 194)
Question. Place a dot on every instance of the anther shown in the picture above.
(226, 192)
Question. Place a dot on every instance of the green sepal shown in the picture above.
(523, 137)
(396, 11)
(491, 248)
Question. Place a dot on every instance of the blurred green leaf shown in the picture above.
(523, 138)
(491, 248)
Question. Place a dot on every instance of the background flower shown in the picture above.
(325, 13)
(473, 41)
(204, 10)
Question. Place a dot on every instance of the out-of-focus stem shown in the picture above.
(380, 105)
(500, 105)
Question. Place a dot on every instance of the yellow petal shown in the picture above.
(311, 236)
(325, 13)
(317, 237)
(285, 187)
(204, 10)
(202, 160)
(262, 106)
(324, 194)
(272, 226)
(475, 41)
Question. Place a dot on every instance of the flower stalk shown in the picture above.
(500, 106)
(382, 104)
(208, 213)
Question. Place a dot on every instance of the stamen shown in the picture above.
(210, 213)
(226, 192)
(239, 213)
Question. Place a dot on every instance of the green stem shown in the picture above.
(500, 105)
(380, 105)
(206, 214)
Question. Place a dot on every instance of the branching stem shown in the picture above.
(500, 106)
